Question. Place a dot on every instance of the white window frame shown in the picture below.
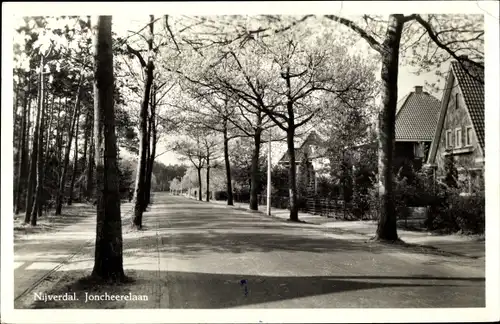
(448, 139)
(468, 140)
(458, 137)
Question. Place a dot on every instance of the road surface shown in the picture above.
(211, 256)
(200, 255)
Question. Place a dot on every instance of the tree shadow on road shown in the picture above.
(176, 289)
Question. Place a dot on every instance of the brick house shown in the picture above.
(417, 116)
(416, 121)
(460, 129)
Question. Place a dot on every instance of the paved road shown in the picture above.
(200, 255)
(212, 256)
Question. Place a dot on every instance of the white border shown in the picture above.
(490, 313)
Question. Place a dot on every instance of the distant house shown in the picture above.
(460, 129)
(312, 149)
(416, 121)
(417, 117)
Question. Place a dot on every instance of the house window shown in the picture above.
(468, 136)
(458, 137)
(448, 139)
(456, 100)
(418, 150)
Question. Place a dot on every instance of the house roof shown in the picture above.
(471, 83)
(417, 117)
(312, 137)
(299, 155)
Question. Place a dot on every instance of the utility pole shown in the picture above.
(269, 176)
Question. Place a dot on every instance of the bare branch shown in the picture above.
(138, 54)
(371, 41)
(434, 37)
(170, 32)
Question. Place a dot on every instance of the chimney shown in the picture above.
(418, 89)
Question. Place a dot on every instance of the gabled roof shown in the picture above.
(471, 85)
(417, 117)
(471, 82)
(313, 137)
(299, 155)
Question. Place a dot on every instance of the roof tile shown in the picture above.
(471, 83)
(417, 118)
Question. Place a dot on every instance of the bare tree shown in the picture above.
(193, 151)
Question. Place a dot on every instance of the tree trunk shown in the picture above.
(46, 150)
(208, 176)
(85, 148)
(62, 179)
(37, 207)
(90, 167)
(18, 154)
(386, 229)
(152, 144)
(200, 198)
(34, 152)
(60, 134)
(254, 170)
(143, 139)
(108, 264)
(229, 185)
(148, 155)
(292, 174)
(16, 103)
(75, 164)
(143, 145)
(23, 156)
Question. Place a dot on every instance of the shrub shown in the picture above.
(327, 188)
(220, 195)
(365, 204)
(456, 212)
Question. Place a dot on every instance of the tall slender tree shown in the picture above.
(152, 146)
(75, 164)
(108, 263)
(23, 157)
(71, 133)
(32, 180)
(143, 128)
